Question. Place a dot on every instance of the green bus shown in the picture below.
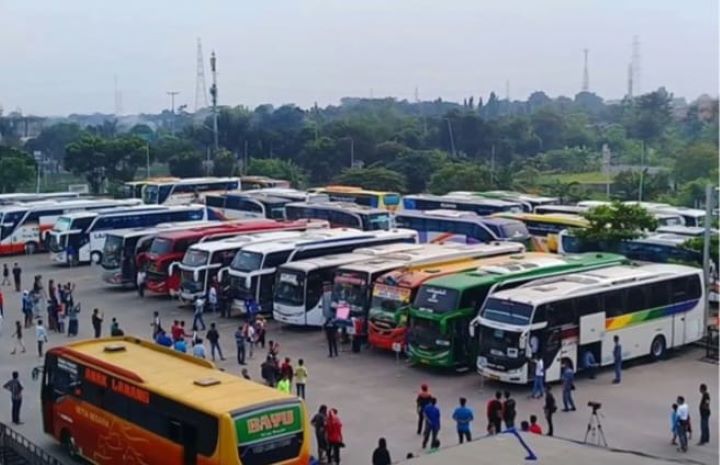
(444, 307)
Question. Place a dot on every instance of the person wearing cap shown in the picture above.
(423, 399)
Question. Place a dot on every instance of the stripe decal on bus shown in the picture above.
(624, 321)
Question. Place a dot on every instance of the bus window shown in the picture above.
(658, 295)
(614, 303)
(217, 201)
(560, 313)
(684, 289)
(481, 234)
(635, 300)
(391, 200)
(587, 305)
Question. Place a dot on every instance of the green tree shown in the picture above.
(697, 161)
(460, 177)
(16, 168)
(549, 126)
(52, 140)
(373, 178)
(186, 164)
(697, 244)
(565, 191)
(418, 167)
(626, 185)
(616, 222)
(278, 169)
(224, 164)
(165, 147)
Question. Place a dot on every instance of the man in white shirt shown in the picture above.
(41, 336)
(212, 299)
(538, 389)
(683, 416)
(198, 315)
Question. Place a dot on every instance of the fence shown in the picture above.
(16, 449)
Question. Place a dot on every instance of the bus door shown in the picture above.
(591, 328)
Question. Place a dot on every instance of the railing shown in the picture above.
(16, 449)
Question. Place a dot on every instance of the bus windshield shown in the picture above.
(426, 333)
(112, 251)
(290, 288)
(9, 221)
(390, 298)
(161, 246)
(378, 221)
(350, 287)
(391, 200)
(63, 224)
(246, 261)
(507, 311)
(195, 257)
(150, 194)
(436, 299)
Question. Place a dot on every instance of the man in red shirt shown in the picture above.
(494, 414)
(177, 331)
(534, 427)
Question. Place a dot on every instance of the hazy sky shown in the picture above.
(60, 56)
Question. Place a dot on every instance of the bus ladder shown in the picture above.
(16, 449)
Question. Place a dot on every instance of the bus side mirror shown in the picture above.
(171, 268)
(196, 275)
(221, 273)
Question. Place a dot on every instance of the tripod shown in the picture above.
(595, 431)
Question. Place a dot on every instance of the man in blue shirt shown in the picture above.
(432, 422)
(617, 359)
(568, 384)
(463, 416)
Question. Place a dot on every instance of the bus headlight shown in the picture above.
(481, 361)
(442, 342)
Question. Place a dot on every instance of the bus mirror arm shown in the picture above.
(221, 273)
(171, 268)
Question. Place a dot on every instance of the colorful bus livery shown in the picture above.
(188, 190)
(651, 308)
(545, 229)
(122, 400)
(467, 203)
(389, 201)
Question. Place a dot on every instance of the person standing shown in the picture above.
(494, 414)
(17, 276)
(250, 337)
(97, 319)
(41, 336)
(284, 384)
(463, 416)
(539, 380)
(617, 359)
(568, 385)
(550, 408)
(17, 337)
(240, 344)
(212, 299)
(73, 320)
(198, 349)
(6, 275)
(2, 306)
(509, 411)
(319, 422)
(268, 371)
(381, 455)
(432, 422)
(331, 335)
(286, 369)
(704, 415)
(156, 325)
(16, 389)
(683, 414)
(335, 437)
(140, 281)
(301, 376)
(421, 401)
(27, 309)
(214, 337)
(198, 315)
(260, 331)
(674, 424)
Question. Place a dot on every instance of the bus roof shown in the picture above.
(259, 196)
(342, 206)
(520, 196)
(546, 290)
(169, 227)
(131, 209)
(186, 181)
(245, 240)
(72, 203)
(688, 231)
(684, 211)
(361, 254)
(557, 218)
(172, 374)
(352, 189)
(572, 209)
(472, 200)
(240, 226)
(524, 263)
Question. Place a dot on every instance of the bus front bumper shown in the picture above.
(114, 277)
(442, 359)
(384, 338)
(58, 257)
(515, 376)
(289, 315)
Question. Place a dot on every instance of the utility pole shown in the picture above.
(214, 96)
(586, 73)
(147, 160)
(642, 171)
(172, 94)
(706, 255)
(452, 138)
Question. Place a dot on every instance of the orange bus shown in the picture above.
(121, 401)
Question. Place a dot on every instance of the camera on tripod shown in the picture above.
(595, 406)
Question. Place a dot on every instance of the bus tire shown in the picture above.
(31, 248)
(658, 348)
(95, 258)
(68, 443)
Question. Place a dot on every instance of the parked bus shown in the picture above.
(262, 182)
(353, 283)
(134, 189)
(262, 203)
(22, 197)
(528, 202)
(170, 247)
(664, 214)
(299, 286)
(121, 401)
(691, 217)
(459, 226)
(24, 227)
(463, 203)
(651, 308)
(568, 209)
(544, 228)
(123, 253)
(440, 316)
(252, 272)
(187, 190)
(341, 214)
(83, 233)
(374, 199)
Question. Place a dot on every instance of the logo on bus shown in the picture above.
(269, 423)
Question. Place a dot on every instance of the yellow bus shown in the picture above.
(122, 400)
(544, 228)
(376, 199)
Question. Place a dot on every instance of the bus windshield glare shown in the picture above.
(246, 261)
(161, 246)
(112, 251)
(63, 224)
(195, 257)
(390, 298)
(378, 222)
(507, 311)
(426, 333)
(290, 288)
(436, 299)
(391, 200)
(349, 287)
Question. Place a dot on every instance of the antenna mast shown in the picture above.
(636, 64)
(214, 96)
(201, 98)
(586, 74)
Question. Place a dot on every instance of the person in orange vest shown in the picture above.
(423, 398)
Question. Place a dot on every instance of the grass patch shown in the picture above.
(592, 177)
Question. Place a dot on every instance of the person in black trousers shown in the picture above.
(16, 390)
(704, 415)
(509, 411)
(550, 408)
(331, 335)
(97, 320)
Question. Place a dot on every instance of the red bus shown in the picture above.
(171, 247)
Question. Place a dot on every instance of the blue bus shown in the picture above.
(461, 226)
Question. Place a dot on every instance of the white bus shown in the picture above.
(202, 262)
(124, 250)
(467, 203)
(183, 191)
(353, 283)
(299, 286)
(83, 233)
(528, 201)
(20, 197)
(252, 271)
(24, 227)
(651, 308)
(341, 214)
(261, 203)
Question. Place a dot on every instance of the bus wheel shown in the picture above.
(658, 348)
(31, 248)
(68, 442)
(95, 258)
